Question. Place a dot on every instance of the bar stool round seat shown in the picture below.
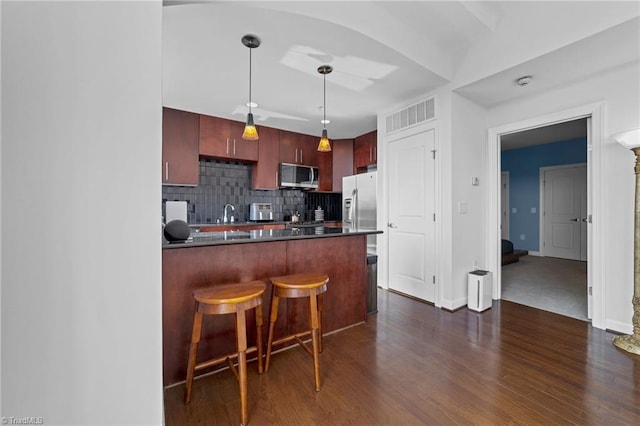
(311, 286)
(236, 298)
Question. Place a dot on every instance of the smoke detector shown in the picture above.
(523, 81)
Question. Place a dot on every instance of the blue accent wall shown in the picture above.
(524, 166)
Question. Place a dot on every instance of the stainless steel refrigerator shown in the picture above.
(359, 194)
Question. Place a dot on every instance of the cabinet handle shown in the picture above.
(276, 185)
(375, 154)
(301, 160)
(227, 146)
(166, 170)
(296, 156)
(234, 147)
(370, 154)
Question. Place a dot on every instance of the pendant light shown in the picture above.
(324, 145)
(250, 132)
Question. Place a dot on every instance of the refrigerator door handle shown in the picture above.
(354, 206)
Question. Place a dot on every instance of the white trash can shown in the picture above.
(480, 289)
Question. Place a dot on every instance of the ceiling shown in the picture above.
(383, 54)
(542, 135)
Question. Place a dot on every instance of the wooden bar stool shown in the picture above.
(311, 285)
(228, 299)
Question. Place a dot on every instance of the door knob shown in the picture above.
(575, 219)
(391, 225)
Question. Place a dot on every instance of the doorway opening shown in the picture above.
(544, 217)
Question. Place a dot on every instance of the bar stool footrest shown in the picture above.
(224, 358)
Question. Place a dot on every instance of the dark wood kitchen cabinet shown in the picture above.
(222, 138)
(296, 148)
(265, 172)
(365, 151)
(325, 170)
(180, 132)
(342, 150)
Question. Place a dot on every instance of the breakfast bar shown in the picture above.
(215, 258)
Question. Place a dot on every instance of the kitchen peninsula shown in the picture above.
(239, 256)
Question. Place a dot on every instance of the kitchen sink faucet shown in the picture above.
(225, 218)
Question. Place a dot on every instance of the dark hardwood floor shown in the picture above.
(412, 363)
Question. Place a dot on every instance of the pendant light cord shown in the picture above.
(324, 108)
(249, 80)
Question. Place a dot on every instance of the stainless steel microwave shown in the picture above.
(298, 176)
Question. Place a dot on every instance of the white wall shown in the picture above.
(468, 144)
(620, 90)
(81, 259)
(461, 141)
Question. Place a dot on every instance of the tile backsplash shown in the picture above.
(225, 182)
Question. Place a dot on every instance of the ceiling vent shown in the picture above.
(410, 116)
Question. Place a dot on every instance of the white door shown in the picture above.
(565, 213)
(504, 205)
(411, 213)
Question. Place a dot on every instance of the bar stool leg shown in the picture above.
(315, 339)
(241, 335)
(320, 297)
(272, 322)
(193, 352)
(258, 312)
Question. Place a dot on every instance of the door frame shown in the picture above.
(383, 251)
(541, 175)
(504, 225)
(595, 255)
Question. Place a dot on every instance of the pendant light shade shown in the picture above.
(250, 132)
(324, 145)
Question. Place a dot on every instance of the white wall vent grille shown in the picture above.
(410, 116)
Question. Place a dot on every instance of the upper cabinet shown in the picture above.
(265, 171)
(296, 148)
(365, 150)
(180, 147)
(221, 138)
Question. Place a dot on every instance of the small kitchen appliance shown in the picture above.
(261, 212)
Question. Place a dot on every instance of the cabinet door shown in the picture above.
(309, 150)
(342, 150)
(180, 147)
(215, 137)
(365, 150)
(325, 169)
(265, 171)
(242, 149)
(288, 147)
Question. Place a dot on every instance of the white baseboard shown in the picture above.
(620, 327)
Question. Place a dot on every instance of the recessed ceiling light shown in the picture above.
(523, 81)
(252, 105)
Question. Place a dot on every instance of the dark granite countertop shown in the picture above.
(199, 239)
(252, 223)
